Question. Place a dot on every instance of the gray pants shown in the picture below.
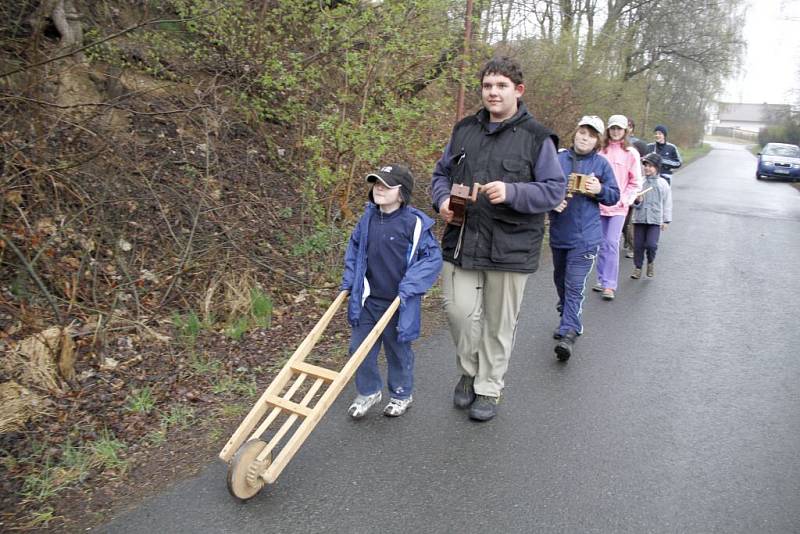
(482, 309)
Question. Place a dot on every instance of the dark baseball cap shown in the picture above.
(393, 176)
(653, 159)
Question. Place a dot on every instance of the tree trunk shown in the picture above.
(66, 18)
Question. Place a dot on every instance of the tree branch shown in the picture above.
(105, 39)
(101, 104)
(33, 275)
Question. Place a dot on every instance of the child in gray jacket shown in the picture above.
(652, 212)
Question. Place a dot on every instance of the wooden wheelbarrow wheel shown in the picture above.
(244, 479)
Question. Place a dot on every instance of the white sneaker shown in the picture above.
(397, 407)
(362, 403)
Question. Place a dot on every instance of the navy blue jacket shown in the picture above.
(421, 272)
(578, 226)
(670, 157)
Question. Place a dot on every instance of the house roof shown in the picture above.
(762, 113)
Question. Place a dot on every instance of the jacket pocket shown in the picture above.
(516, 170)
(513, 240)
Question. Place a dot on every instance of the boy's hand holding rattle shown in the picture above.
(593, 185)
(444, 211)
(495, 192)
(454, 209)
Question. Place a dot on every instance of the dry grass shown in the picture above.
(35, 360)
(19, 405)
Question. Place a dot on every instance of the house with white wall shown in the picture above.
(730, 118)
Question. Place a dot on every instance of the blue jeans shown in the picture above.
(571, 267)
(399, 356)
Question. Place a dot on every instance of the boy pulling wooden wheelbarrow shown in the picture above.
(392, 259)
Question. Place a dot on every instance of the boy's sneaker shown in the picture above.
(397, 407)
(636, 274)
(464, 394)
(362, 403)
(564, 347)
(484, 408)
(597, 287)
(629, 254)
(608, 294)
(651, 270)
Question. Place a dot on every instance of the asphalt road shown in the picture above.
(680, 411)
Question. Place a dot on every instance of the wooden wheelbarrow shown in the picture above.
(250, 459)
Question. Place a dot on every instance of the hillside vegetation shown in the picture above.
(179, 179)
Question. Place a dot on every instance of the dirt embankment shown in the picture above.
(162, 237)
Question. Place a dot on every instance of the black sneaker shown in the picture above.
(464, 394)
(564, 346)
(484, 408)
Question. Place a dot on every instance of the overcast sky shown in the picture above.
(771, 68)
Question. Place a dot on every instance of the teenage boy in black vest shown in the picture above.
(489, 257)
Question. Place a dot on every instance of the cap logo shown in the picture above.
(386, 169)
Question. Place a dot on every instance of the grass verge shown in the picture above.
(692, 153)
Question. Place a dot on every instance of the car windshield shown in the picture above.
(787, 151)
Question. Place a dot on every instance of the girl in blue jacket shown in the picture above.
(575, 229)
(391, 252)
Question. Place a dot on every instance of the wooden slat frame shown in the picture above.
(287, 425)
(280, 381)
(315, 370)
(288, 405)
(276, 411)
(309, 423)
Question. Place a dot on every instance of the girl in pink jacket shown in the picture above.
(624, 160)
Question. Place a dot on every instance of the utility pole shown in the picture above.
(464, 60)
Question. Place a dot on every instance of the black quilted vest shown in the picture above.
(496, 237)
